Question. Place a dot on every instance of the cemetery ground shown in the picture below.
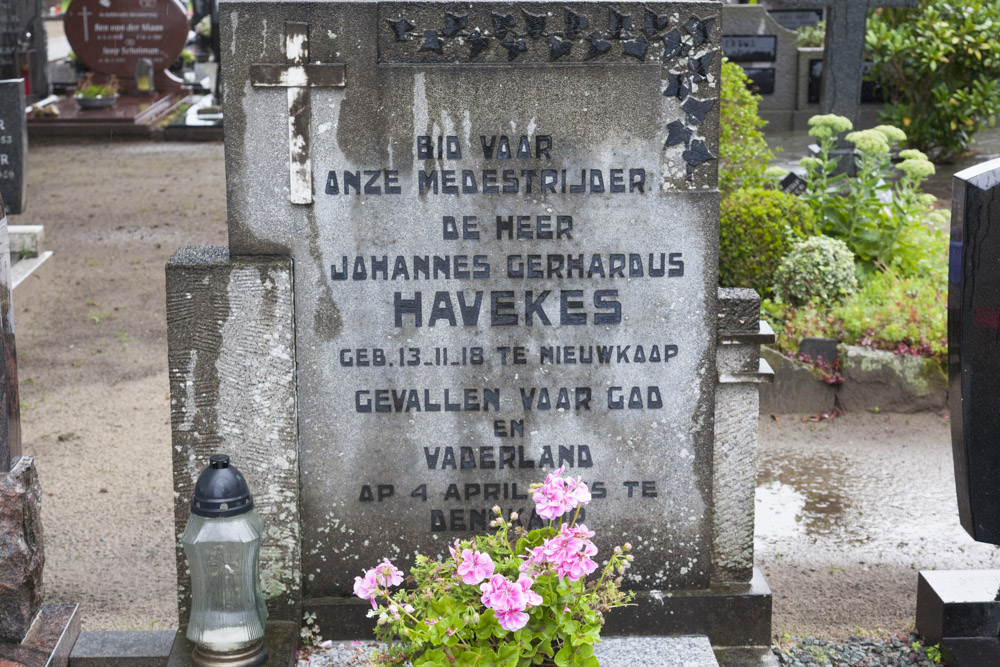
(848, 509)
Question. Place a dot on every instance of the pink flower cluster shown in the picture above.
(383, 575)
(509, 599)
(556, 495)
(569, 553)
(475, 566)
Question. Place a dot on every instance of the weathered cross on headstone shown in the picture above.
(298, 75)
(845, 46)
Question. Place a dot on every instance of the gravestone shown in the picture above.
(959, 610)
(793, 19)
(844, 50)
(23, 45)
(768, 53)
(13, 145)
(110, 36)
(468, 245)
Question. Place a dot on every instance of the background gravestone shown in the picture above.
(23, 45)
(13, 145)
(766, 51)
(109, 36)
(502, 221)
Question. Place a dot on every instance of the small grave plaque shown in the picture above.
(750, 48)
(13, 145)
(503, 225)
(761, 79)
(110, 36)
(793, 184)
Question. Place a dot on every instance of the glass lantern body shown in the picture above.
(227, 604)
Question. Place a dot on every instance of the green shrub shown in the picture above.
(894, 234)
(743, 152)
(757, 229)
(903, 315)
(819, 268)
(940, 63)
(812, 35)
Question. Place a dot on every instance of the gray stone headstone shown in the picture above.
(767, 51)
(503, 227)
(23, 44)
(13, 145)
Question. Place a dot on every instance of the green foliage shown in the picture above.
(812, 35)
(907, 315)
(441, 622)
(743, 152)
(881, 214)
(757, 229)
(940, 62)
(818, 268)
(87, 88)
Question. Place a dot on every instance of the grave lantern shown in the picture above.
(222, 544)
(144, 73)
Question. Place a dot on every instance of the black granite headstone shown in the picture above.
(761, 79)
(23, 45)
(750, 48)
(13, 144)
(974, 348)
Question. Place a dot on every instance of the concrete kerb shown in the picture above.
(874, 380)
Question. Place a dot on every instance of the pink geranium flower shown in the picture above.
(367, 588)
(387, 574)
(512, 620)
(475, 566)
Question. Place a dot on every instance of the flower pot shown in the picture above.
(95, 102)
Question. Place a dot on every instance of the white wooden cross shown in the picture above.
(298, 75)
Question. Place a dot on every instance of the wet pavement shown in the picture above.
(847, 512)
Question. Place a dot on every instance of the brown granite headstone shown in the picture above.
(109, 36)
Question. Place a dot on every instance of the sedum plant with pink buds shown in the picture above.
(512, 597)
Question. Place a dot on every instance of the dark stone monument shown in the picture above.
(747, 48)
(793, 19)
(110, 36)
(13, 145)
(845, 45)
(960, 609)
(23, 45)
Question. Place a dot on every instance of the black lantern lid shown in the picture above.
(221, 491)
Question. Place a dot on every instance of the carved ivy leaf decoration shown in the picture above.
(558, 47)
(677, 86)
(700, 66)
(535, 23)
(501, 24)
(697, 109)
(677, 133)
(598, 45)
(400, 28)
(515, 47)
(477, 44)
(653, 23)
(453, 23)
(696, 154)
(699, 29)
(636, 47)
(432, 42)
(575, 24)
(619, 23)
(674, 45)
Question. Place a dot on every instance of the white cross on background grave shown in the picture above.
(298, 75)
(846, 22)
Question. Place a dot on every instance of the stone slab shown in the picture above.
(736, 614)
(970, 652)
(13, 146)
(231, 357)
(957, 603)
(683, 651)
(751, 30)
(796, 389)
(124, 648)
(882, 380)
(21, 552)
(280, 637)
(26, 239)
(423, 78)
(49, 641)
